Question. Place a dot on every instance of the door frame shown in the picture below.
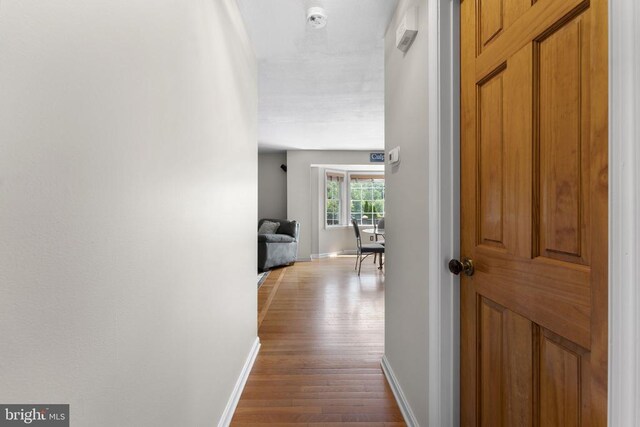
(624, 204)
(443, 210)
(443, 147)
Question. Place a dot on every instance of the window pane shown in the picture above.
(378, 193)
(367, 201)
(333, 201)
(356, 193)
(332, 191)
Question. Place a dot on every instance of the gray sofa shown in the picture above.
(280, 248)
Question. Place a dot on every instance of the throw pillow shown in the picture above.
(288, 228)
(268, 227)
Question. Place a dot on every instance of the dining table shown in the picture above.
(375, 231)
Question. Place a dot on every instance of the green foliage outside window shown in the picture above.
(367, 201)
(333, 203)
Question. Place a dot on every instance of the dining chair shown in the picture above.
(365, 250)
(378, 233)
(380, 228)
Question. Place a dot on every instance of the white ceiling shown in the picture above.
(319, 89)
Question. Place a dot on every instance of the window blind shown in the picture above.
(366, 177)
(334, 176)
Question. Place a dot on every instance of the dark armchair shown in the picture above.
(279, 248)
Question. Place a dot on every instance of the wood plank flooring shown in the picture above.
(322, 340)
(267, 292)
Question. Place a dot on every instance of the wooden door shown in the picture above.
(534, 212)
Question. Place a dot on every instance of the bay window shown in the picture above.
(355, 195)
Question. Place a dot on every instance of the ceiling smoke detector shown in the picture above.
(317, 17)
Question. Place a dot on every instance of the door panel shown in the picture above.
(491, 363)
(564, 157)
(518, 153)
(491, 20)
(497, 15)
(559, 384)
(533, 198)
(490, 163)
(505, 366)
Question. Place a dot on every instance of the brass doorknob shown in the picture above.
(465, 266)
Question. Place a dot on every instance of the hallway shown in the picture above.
(322, 340)
(142, 142)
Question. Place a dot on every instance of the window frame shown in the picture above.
(348, 190)
(341, 197)
(344, 199)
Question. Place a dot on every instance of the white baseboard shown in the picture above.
(320, 256)
(227, 415)
(407, 413)
(334, 254)
(327, 255)
(299, 259)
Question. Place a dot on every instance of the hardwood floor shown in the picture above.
(322, 339)
(267, 292)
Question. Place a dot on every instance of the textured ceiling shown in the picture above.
(319, 89)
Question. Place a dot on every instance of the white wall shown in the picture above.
(125, 292)
(406, 254)
(338, 240)
(272, 186)
(317, 209)
(301, 190)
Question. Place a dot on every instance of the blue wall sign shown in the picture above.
(376, 157)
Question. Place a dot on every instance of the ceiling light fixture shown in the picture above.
(317, 17)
